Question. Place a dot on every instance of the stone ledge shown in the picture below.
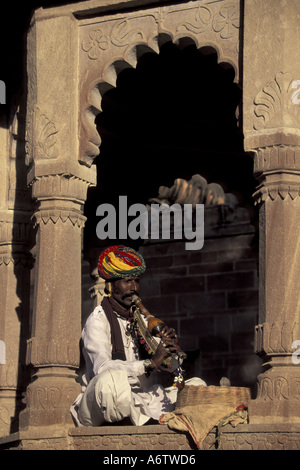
(264, 436)
(151, 437)
(154, 437)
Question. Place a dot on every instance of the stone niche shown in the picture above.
(210, 295)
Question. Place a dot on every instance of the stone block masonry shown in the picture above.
(211, 298)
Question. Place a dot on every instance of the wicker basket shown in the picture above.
(193, 395)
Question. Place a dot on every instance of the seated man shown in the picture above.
(116, 377)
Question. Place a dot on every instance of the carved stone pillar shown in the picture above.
(279, 320)
(53, 349)
(59, 188)
(15, 265)
(271, 127)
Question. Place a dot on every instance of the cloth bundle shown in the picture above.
(200, 409)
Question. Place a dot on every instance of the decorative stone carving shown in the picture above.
(276, 337)
(60, 186)
(278, 389)
(59, 215)
(40, 137)
(227, 21)
(253, 438)
(54, 443)
(53, 352)
(122, 34)
(48, 398)
(275, 190)
(276, 157)
(94, 43)
(158, 438)
(277, 104)
(202, 21)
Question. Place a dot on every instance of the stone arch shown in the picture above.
(105, 79)
(197, 60)
(110, 105)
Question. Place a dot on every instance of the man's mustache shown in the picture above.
(129, 294)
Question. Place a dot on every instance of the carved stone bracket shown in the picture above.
(97, 290)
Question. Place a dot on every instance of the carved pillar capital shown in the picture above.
(97, 290)
(67, 186)
(276, 158)
(278, 184)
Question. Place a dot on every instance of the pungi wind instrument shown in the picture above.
(148, 330)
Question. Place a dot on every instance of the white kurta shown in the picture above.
(147, 401)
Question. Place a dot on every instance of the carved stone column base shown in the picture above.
(278, 393)
(48, 398)
(10, 406)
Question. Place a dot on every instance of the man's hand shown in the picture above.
(167, 345)
(160, 354)
(169, 338)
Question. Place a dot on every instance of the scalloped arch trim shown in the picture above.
(212, 27)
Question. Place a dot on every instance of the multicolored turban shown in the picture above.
(118, 262)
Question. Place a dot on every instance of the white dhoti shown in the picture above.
(106, 399)
(110, 398)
